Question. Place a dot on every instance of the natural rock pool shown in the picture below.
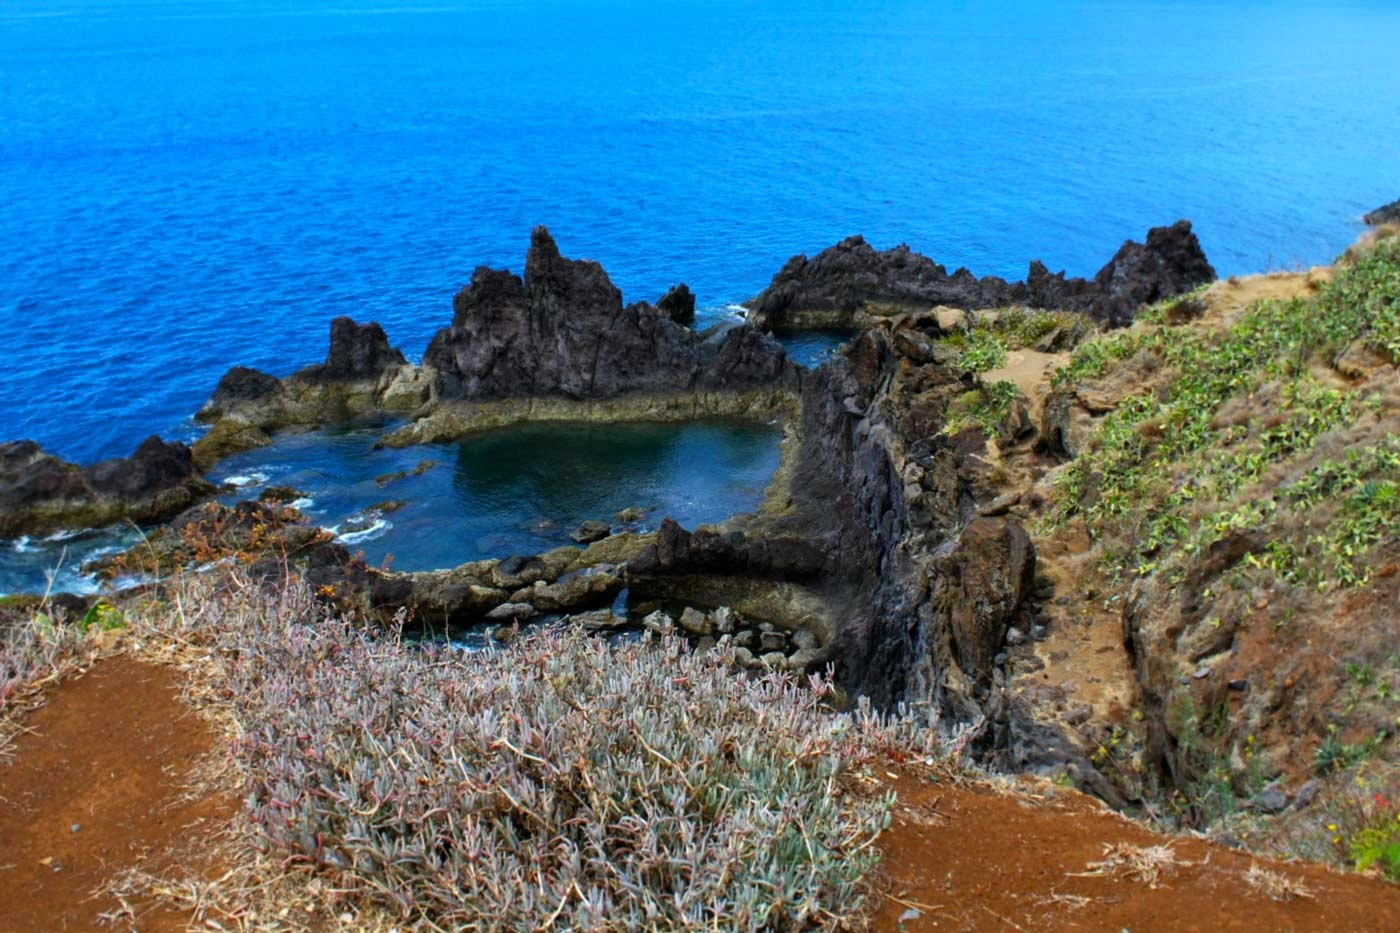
(515, 490)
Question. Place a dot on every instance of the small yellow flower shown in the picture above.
(1332, 827)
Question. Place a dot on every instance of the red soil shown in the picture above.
(967, 858)
(112, 753)
(115, 749)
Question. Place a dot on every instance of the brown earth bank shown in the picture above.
(116, 752)
(1038, 857)
(101, 783)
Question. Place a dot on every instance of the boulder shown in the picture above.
(678, 304)
(591, 531)
(1169, 263)
(695, 622)
(518, 611)
(359, 352)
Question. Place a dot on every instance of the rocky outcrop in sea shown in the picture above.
(851, 283)
(40, 493)
(1386, 214)
(554, 344)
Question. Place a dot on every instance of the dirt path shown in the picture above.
(964, 858)
(97, 786)
(114, 750)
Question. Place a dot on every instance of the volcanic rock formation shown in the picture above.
(562, 330)
(846, 284)
(40, 493)
(1388, 214)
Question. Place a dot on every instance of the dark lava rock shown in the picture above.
(1169, 263)
(358, 352)
(677, 552)
(591, 531)
(40, 493)
(1389, 214)
(982, 583)
(678, 304)
(241, 384)
(852, 275)
(563, 330)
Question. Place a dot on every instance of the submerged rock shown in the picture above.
(40, 493)
(590, 531)
(845, 284)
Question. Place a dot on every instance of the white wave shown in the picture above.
(251, 479)
(302, 504)
(67, 534)
(22, 545)
(376, 529)
(738, 311)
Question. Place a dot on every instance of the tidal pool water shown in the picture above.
(811, 348)
(515, 490)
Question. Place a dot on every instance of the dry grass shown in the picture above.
(1275, 885)
(1145, 864)
(35, 652)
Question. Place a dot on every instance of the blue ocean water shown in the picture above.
(196, 183)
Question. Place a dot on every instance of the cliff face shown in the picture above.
(935, 586)
(843, 285)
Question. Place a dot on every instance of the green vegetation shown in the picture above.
(988, 407)
(1363, 822)
(984, 345)
(1196, 456)
(980, 350)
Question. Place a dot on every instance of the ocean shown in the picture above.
(190, 185)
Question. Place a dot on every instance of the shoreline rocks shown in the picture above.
(1385, 214)
(555, 344)
(362, 375)
(562, 330)
(851, 284)
(40, 493)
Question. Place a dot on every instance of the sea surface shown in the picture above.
(190, 184)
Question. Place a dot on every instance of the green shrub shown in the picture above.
(981, 351)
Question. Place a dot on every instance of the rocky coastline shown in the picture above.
(850, 284)
(875, 551)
